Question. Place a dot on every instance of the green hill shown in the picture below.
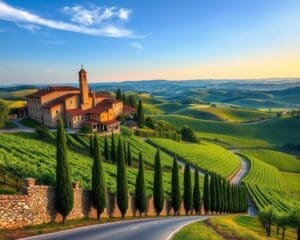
(207, 156)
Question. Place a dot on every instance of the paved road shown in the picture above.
(147, 229)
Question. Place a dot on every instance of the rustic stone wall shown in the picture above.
(37, 205)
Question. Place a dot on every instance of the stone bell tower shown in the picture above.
(84, 90)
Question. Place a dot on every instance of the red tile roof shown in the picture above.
(77, 112)
(51, 89)
(110, 122)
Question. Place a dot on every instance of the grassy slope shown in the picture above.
(28, 157)
(197, 231)
(205, 155)
(283, 161)
(291, 182)
(224, 113)
(21, 94)
(15, 103)
(273, 132)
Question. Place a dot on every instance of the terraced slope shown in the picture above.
(24, 156)
(282, 161)
(207, 156)
(266, 187)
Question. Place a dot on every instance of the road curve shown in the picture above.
(145, 229)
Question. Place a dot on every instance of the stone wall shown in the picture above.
(37, 205)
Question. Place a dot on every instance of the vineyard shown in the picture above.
(267, 186)
(24, 156)
(206, 156)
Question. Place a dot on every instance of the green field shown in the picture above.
(24, 156)
(282, 161)
(279, 131)
(20, 94)
(15, 103)
(224, 113)
(291, 182)
(205, 155)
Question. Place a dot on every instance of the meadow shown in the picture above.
(205, 155)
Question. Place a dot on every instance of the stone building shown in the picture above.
(76, 106)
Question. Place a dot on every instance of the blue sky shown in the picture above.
(47, 41)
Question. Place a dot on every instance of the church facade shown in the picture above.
(76, 106)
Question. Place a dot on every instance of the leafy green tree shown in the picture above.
(106, 148)
(187, 189)
(98, 181)
(175, 189)
(113, 154)
(63, 189)
(124, 98)
(3, 113)
(206, 193)
(158, 193)
(131, 101)
(188, 135)
(140, 190)
(140, 117)
(196, 193)
(91, 145)
(129, 156)
(122, 184)
(294, 220)
(150, 123)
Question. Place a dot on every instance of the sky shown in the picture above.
(49, 41)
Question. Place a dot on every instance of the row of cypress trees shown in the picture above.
(220, 196)
(110, 152)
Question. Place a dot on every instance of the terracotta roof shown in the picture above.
(111, 100)
(127, 110)
(77, 112)
(51, 89)
(100, 108)
(91, 122)
(59, 100)
(110, 122)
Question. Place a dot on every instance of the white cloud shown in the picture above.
(95, 14)
(137, 45)
(10, 13)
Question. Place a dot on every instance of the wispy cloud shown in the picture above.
(136, 45)
(95, 14)
(25, 18)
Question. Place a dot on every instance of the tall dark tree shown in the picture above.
(129, 156)
(118, 94)
(158, 192)
(122, 184)
(213, 193)
(113, 154)
(225, 197)
(140, 190)
(98, 181)
(106, 148)
(196, 193)
(206, 193)
(125, 153)
(124, 98)
(131, 101)
(175, 195)
(140, 117)
(63, 189)
(91, 145)
(230, 198)
(187, 189)
(4, 111)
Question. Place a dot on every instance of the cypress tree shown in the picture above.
(129, 157)
(140, 190)
(175, 195)
(63, 190)
(98, 181)
(125, 153)
(106, 148)
(230, 191)
(122, 184)
(206, 193)
(187, 189)
(213, 193)
(91, 145)
(140, 114)
(218, 194)
(196, 193)
(158, 192)
(118, 94)
(113, 154)
(225, 199)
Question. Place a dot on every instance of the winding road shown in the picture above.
(145, 229)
